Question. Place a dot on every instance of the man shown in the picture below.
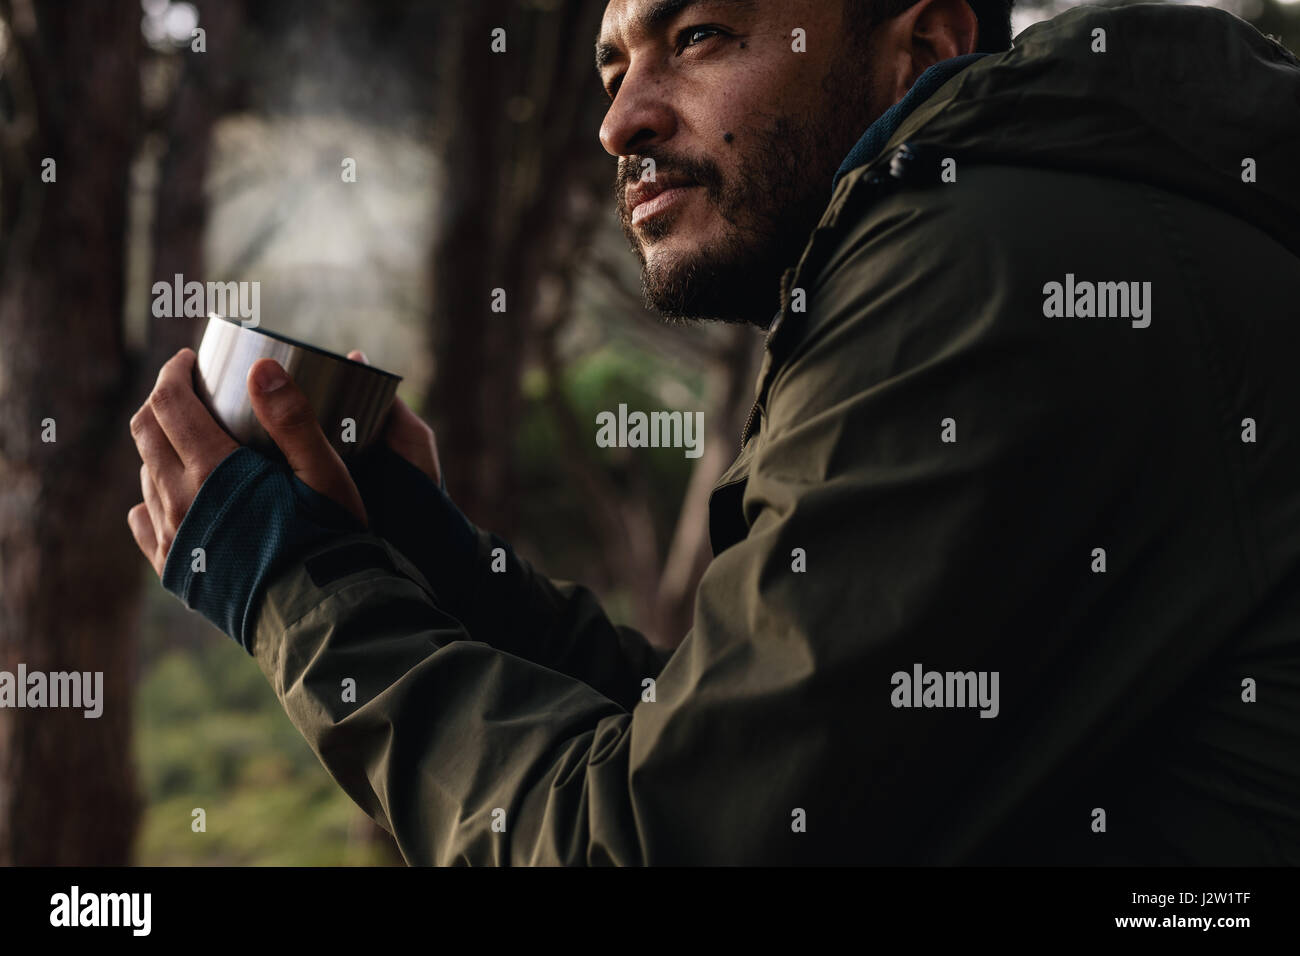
(1008, 568)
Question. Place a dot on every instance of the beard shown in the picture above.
(776, 194)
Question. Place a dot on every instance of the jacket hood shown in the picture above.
(1181, 98)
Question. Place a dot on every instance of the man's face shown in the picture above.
(745, 134)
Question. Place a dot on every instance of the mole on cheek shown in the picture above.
(728, 137)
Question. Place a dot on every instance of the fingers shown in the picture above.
(156, 450)
(180, 444)
(198, 440)
(142, 530)
(408, 435)
(290, 421)
(163, 477)
(163, 529)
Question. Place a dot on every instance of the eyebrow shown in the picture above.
(659, 14)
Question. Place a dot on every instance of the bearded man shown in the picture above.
(1006, 568)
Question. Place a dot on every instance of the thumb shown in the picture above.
(289, 419)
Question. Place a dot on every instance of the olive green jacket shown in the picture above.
(944, 472)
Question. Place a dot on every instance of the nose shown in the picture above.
(640, 116)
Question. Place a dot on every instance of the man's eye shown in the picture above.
(693, 35)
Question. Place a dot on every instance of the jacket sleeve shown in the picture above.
(499, 597)
(778, 732)
(557, 624)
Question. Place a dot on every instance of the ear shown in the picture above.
(924, 34)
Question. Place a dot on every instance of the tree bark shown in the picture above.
(69, 571)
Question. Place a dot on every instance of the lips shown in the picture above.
(644, 192)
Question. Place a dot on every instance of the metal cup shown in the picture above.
(351, 399)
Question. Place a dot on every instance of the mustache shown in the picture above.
(703, 171)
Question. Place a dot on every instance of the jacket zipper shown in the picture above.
(744, 432)
(767, 346)
(901, 161)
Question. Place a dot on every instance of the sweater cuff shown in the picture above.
(415, 515)
(250, 518)
(475, 574)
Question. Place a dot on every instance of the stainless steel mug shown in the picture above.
(351, 399)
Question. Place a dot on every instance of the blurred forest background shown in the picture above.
(474, 171)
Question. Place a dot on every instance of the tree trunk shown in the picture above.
(69, 571)
(205, 91)
(518, 138)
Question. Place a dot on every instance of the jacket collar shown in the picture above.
(879, 132)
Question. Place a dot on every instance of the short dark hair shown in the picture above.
(994, 18)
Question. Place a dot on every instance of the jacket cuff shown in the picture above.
(249, 518)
